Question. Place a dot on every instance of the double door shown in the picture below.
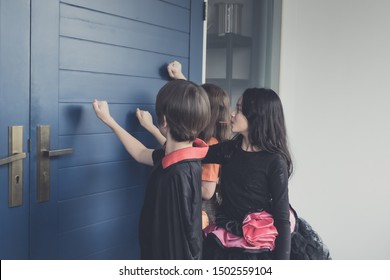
(68, 189)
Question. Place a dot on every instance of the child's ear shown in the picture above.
(163, 127)
(164, 124)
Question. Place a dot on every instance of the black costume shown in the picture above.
(251, 182)
(254, 182)
(170, 224)
(306, 244)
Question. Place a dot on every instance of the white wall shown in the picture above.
(335, 87)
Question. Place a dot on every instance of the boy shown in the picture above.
(170, 223)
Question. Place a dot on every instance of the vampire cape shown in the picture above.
(170, 224)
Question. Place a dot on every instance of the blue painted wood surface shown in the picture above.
(150, 11)
(118, 31)
(100, 178)
(44, 111)
(14, 110)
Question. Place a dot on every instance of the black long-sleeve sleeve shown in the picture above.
(278, 185)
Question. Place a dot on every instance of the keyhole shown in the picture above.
(17, 177)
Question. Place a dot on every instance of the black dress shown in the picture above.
(306, 243)
(250, 182)
(255, 182)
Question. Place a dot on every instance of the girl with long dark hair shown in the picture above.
(253, 220)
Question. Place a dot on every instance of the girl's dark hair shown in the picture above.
(186, 108)
(266, 125)
(219, 125)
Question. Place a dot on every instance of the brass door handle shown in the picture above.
(57, 153)
(14, 160)
(43, 161)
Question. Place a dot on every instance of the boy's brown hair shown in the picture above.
(186, 108)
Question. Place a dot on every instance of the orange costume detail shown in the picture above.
(210, 173)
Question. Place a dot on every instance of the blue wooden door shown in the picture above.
(114, 50)
(14, 111)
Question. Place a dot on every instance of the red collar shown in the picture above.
(197, 151)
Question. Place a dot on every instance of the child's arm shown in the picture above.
(145, 119)
(208, 189)
(135, 148)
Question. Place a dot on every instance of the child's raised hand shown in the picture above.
(102, 111)
(174, 70)
(144, 118)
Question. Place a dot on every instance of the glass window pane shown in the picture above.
(243, 44)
